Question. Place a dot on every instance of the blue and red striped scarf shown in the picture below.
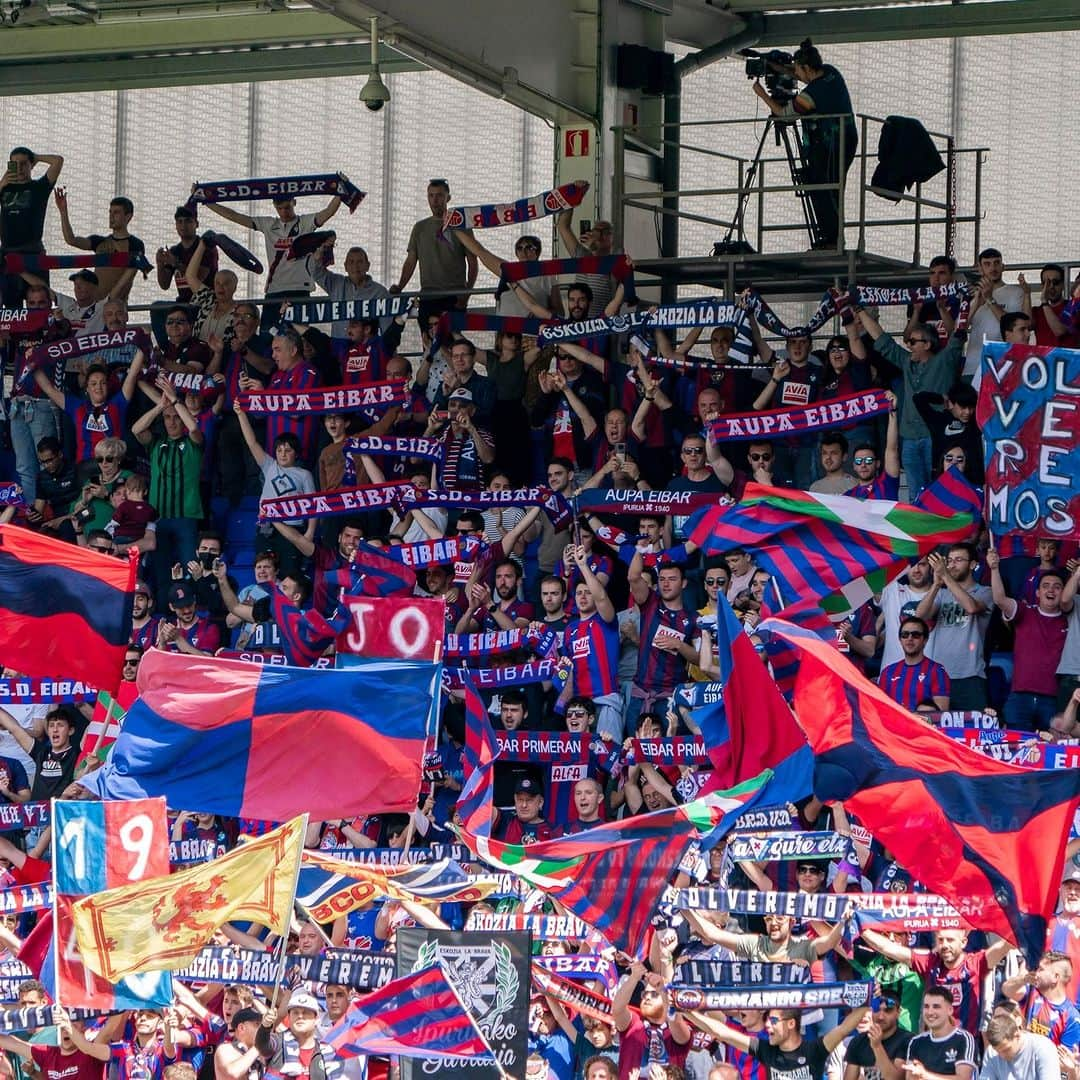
(15, 262)
(494, 215)
(617, 266)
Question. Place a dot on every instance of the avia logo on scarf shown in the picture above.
(492, 215)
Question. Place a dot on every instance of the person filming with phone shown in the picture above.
(24, 199)
(825, 94)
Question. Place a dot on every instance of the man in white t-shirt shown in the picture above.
(284, 276)
(899, 599)
(992, 299)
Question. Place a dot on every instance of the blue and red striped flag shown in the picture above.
(63, 609)
(374, 573)
(951, 493)
(611, 876)
(420, 1015)
(834, 548)
(750, 728)
(225, 737)
(305, 635)
(988, 836)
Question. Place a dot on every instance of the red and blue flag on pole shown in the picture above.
(100, 846)
(981, 833)
(420, 1015)
(750, 728)
(63, 608)
(226, 736)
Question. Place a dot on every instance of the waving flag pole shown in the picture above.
(279, 971)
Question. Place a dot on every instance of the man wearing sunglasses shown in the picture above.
(916, 678)
(879, 1044)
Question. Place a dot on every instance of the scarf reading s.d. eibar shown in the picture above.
(84, 345)
(278, 187)
(406, 446)
(492, 215)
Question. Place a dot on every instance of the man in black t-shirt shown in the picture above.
(23, 202)
(787, 1055)
(872, 1054)
(944, 1048)
(113, 281)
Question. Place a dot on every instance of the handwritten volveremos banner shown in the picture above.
(1029, 412)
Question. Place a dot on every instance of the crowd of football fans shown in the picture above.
(152, 451)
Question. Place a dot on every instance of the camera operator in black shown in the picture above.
(825, 93)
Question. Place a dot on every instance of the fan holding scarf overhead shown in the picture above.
(284, 276)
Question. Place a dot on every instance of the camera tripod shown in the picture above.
(784, 132)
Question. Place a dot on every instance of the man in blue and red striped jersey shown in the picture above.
(1043, 996)
(292, 373)
(591, 641)
(668, 627)
(962, 974)
(875, 484)
(915, 680)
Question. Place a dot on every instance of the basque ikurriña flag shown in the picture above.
(63, 608)
(613, 876)
(226, 736)
(968, 827)
(835, 548)
(419, 1015)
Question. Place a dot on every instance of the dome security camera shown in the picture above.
(374, 95)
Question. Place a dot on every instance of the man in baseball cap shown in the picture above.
(297, 1049)
(466, 448)
(526, 825)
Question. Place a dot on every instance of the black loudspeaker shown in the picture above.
(644, 69)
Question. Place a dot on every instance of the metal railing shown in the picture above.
(751, 181)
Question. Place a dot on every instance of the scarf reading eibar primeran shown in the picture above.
(493, 215)
(278, 187)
